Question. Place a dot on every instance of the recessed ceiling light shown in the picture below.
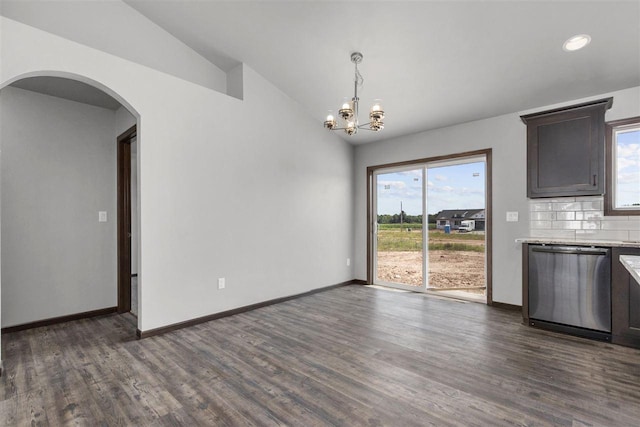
(576, 42)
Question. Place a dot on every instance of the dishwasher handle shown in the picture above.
(568, 250)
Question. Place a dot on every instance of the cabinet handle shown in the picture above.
(595, 180)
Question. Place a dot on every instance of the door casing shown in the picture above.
(124, 219)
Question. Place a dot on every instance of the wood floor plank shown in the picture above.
(337, 380)
(399, 379)
(352, 356)
(294, 384)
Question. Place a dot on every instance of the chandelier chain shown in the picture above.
(359, 78)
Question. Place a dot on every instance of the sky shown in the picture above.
(628, 162)
(448, 187)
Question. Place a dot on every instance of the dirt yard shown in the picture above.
(447, 269)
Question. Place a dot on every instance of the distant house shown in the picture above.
(453, 218)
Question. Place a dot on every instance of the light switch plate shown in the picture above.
(221, 283)
(512, 216)
(102, 216)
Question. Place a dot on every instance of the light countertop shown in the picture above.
(580, 242)
(632, 263)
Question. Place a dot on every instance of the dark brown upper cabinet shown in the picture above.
(565, 150)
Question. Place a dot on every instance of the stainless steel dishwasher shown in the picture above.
(570, 289)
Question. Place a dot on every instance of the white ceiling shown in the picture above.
(434, 63)
(68, 89)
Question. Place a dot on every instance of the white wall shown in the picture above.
(506, 136)
(58, 171)
(124, 121)
(115, 27)
(227, 187)
(235, 81)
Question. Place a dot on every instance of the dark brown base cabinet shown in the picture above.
(625, 298)
(625, 301)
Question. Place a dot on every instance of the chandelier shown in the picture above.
(349, 111)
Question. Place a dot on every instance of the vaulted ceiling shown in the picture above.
(433, 63)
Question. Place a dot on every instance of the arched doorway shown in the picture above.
(59, 198)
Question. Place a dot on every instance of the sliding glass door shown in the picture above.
(429, 231)
(399, 235)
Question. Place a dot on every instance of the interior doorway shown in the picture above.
(128, 289)
(430, 225)
(59, 221)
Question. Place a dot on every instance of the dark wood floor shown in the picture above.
(349, 356)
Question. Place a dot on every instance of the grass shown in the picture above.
(413, 227)
(388, 242)
(433, 232)
(399, 226)
(395, 239)
(440, 235)
(455, 247)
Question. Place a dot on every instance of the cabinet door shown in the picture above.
(566, 154)
(625, 301)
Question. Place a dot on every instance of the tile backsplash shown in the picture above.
(579, 218)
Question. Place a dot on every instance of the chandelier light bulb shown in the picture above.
(346, 112)
(330, 122)
(376, 114)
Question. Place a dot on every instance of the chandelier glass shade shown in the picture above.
(347, 119)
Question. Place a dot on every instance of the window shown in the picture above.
(623, 163)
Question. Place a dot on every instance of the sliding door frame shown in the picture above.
(371, 214)
(425, 232)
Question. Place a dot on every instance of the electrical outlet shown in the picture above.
(348, 262)
(512, 216)
(221, 283)
(102, 216)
